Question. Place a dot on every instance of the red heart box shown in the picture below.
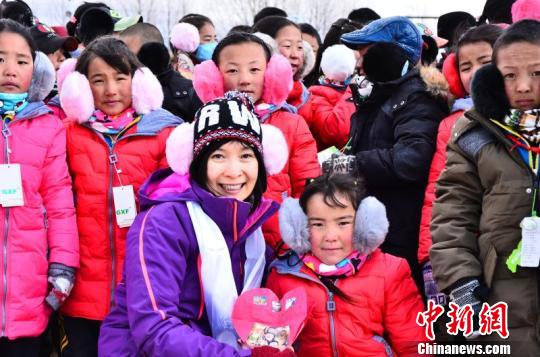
(261, 319)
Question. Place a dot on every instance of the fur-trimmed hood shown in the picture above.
(435, 81)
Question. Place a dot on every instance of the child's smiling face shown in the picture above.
(519, 64)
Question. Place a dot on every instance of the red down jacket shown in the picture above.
(139, 152)
(330, 119)
(302, 165)
(379, 319)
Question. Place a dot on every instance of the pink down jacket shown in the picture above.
(41, 232)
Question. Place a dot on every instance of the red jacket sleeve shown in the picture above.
(437, 166)
(331, 116)
(402, 305)
(303, 163)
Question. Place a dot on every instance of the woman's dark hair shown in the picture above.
(8, 25)
(196, 20)
(522, 31)
(353, 188)
(482, 33)
(333, 36)
(238, 38)
(271, 25)
(113, 51)
(199, 167)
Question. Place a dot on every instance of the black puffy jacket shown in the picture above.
(393, 136)
(179, 96)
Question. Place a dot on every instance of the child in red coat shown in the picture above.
(362, 302)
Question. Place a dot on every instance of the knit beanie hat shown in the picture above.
(232, 117)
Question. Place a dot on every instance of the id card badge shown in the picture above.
(124, 205)
(530, 242)
(11, 193)
(326, 154)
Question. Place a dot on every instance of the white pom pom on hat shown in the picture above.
(338, 62)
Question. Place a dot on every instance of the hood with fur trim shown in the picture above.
(435, 81)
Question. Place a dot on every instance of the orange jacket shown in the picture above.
(380, 316)
(302, 165)
(139, 152)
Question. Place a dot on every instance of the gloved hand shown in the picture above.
(267, 351)
(61, 277)
(430, 286)
(340, 164)
(468, 291)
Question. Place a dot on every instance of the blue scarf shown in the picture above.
(12, 103)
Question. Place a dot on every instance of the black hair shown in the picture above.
(527, 31)
(363, 15)
(238, 38)
(71, 26)
(113, 51)
(8, 25)
(199, 167)
(145, 31)
(329, 185)
(197, 20)
(333, 36)
(240, 28)
(18, 11)
(271, 25)
(268, 11)
(497, 11)
(483, 33)
(312, 31)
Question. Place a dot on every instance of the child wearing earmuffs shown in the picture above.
(115, 140)
(361, 302)
(40, 251)
(245, 63)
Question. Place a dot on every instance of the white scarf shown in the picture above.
(216, 272)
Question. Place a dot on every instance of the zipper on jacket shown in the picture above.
(112, 161)
(5, 133)
(331, 307)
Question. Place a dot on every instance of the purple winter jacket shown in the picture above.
(159, 307)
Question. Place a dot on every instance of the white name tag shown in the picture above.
(530, 242)
(124, 205)
(11, 193)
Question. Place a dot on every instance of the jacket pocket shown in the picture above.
(489, 263)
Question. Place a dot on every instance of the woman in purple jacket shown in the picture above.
(197, 244)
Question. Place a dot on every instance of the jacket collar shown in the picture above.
(33, 110)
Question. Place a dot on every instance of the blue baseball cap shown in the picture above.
(396, 29)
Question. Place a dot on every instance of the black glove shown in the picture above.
(469, 291)
(61, 278)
